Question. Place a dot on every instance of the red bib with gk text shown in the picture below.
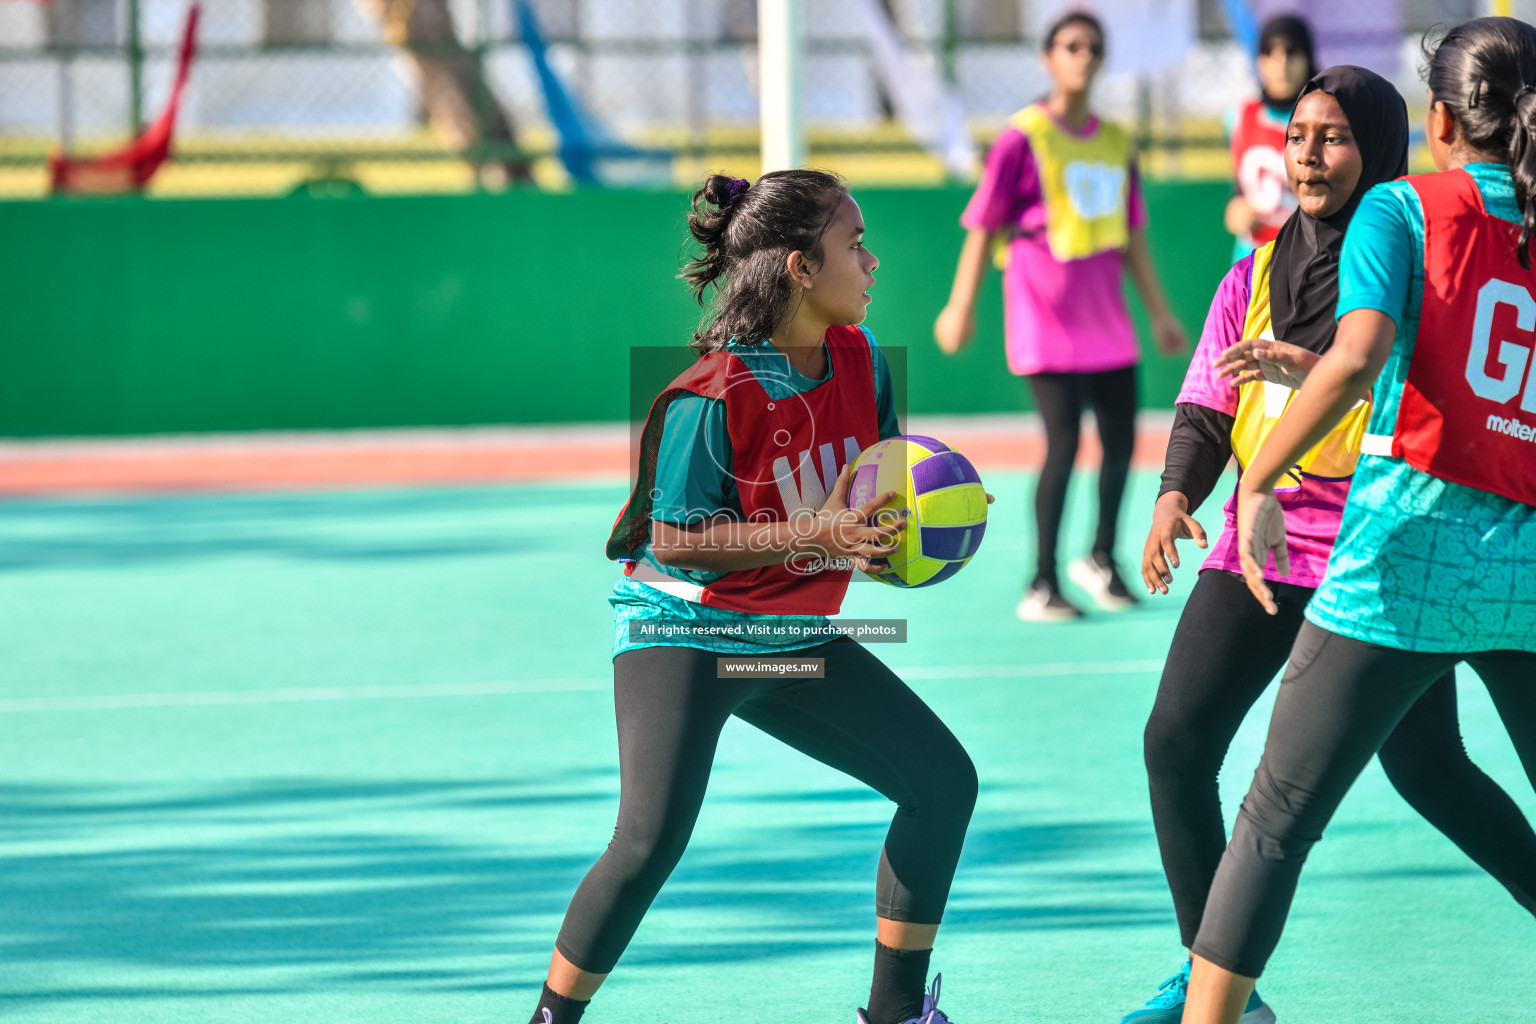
(1468, 410)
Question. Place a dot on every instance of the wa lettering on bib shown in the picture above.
(1468, 409)
(785, 457)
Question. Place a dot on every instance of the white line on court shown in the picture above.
(292, 695)
(1048, 668)
(429, 691)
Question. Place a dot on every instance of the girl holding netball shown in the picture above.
(1348, 133)
(738, 519)
(1435, 561)
(1060, 195)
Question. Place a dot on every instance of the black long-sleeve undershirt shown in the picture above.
(1199, 447)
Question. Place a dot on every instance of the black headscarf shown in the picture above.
(1304, 277)
(1296, 34)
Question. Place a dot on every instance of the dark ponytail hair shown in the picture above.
(1048, 40)
(1484, 71)
(748, 232)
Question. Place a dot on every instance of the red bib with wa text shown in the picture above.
(1258, 158)
(785, 457)
(1468, 409)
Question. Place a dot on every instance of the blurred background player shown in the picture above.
(1261, 193)
(1060, 196)
(710, 540)
(1435, 562)
(1349, 132)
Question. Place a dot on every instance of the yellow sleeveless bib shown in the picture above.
(1084, 181)
(1260, 404)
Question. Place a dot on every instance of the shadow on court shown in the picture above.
(294, 886)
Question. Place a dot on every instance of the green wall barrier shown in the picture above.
(137, 316)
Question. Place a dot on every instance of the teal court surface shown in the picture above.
(342, 756)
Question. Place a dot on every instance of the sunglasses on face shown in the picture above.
(1075, 48)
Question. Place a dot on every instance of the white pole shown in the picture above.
(779, 45)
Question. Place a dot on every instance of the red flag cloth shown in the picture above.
(129, 168)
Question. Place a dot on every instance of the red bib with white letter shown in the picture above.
(1258, 158)
(1468, 409)
(785, 457)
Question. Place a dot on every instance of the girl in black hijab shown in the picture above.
(1304, 281)
(1348, 132)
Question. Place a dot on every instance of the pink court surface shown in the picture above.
(474, 455)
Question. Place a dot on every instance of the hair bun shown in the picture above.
(725, 192)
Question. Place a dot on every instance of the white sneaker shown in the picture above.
(1098, 576)
(1044, 603)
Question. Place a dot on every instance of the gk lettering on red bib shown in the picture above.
(1468, 410)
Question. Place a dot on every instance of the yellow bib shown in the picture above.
(1260, 404)
(1085, 183)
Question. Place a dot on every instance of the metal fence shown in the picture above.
(430, 95)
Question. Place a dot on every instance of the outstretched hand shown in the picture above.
(1160, 555)
(1255, 359)
(1260, 534)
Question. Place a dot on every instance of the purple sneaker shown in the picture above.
(931, 1013)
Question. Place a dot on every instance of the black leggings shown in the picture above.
(1339, 702)
(1225, 652)
(1059, 397)
(860, 719)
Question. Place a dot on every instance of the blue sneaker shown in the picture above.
(931, 1013)
(1167, 1007)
